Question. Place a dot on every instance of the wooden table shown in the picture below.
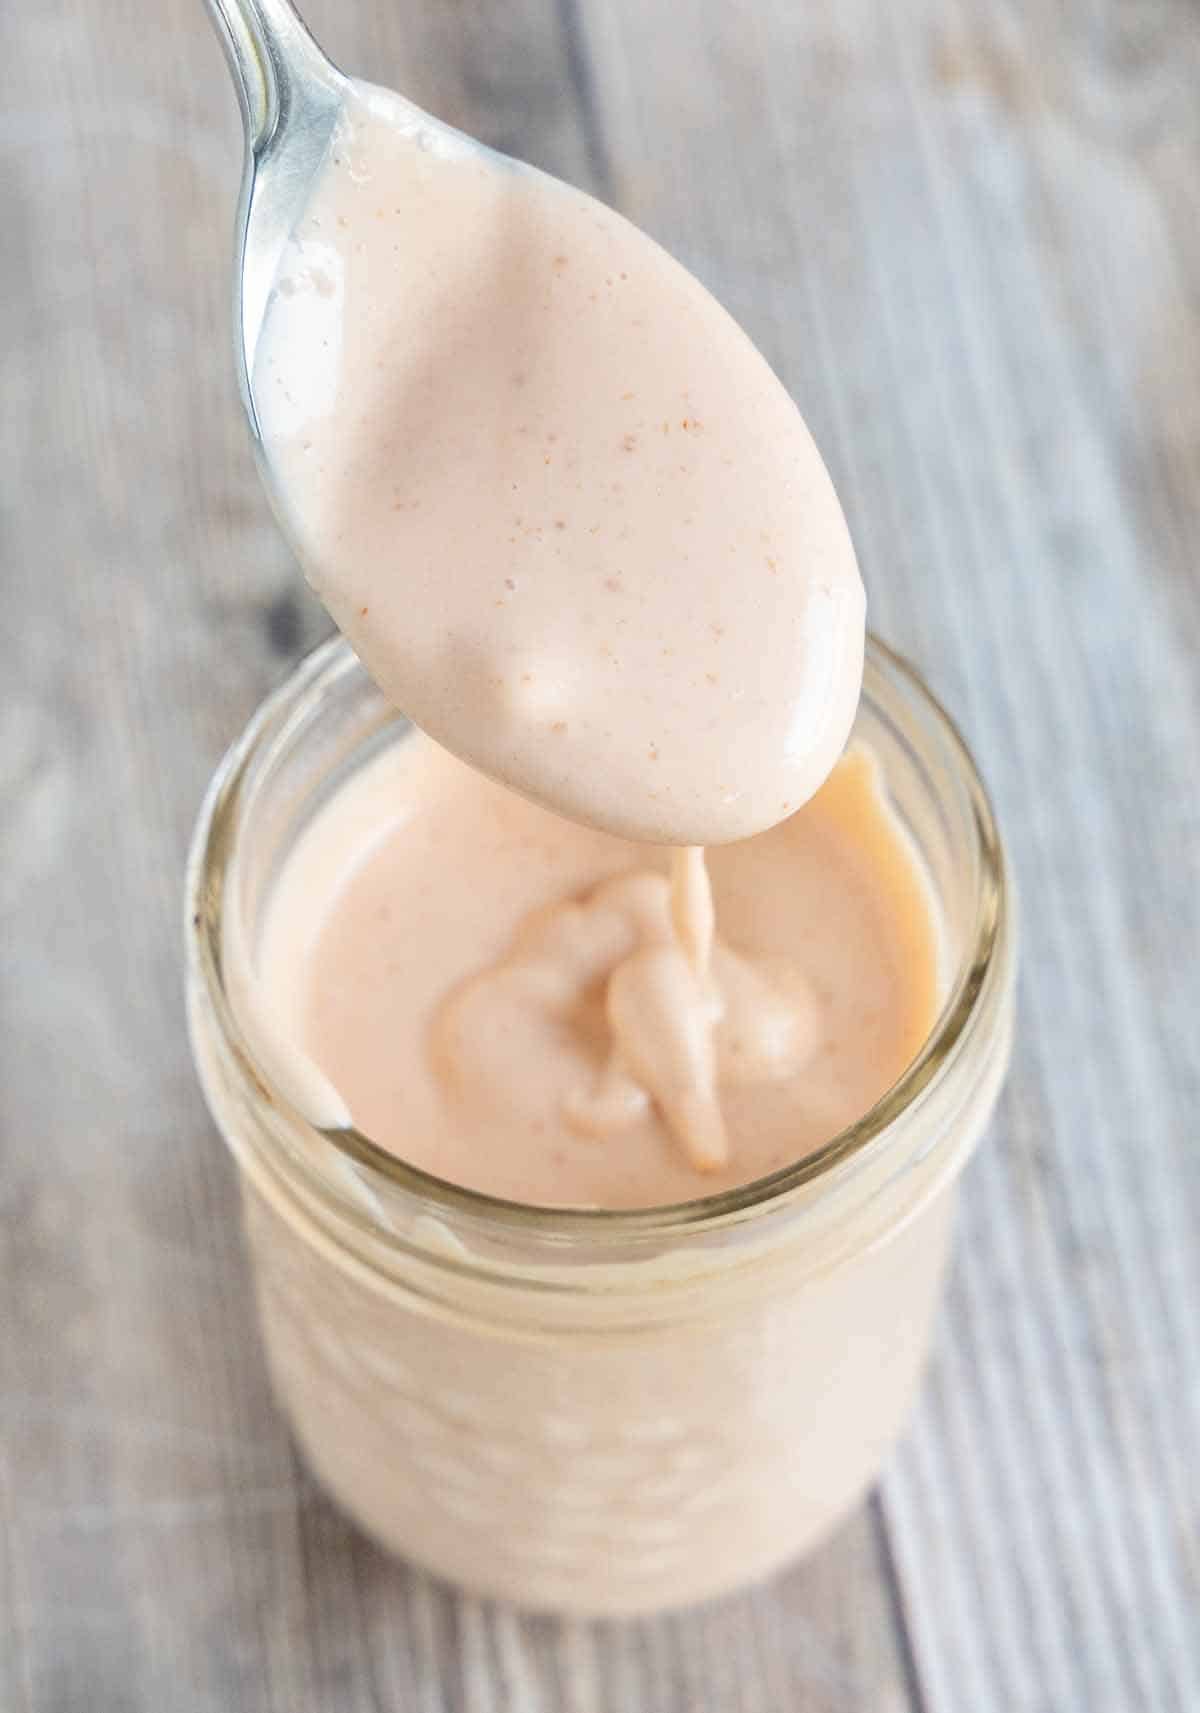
(968, 236)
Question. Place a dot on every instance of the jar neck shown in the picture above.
(409, 1231)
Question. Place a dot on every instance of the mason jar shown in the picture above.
(579, 1410)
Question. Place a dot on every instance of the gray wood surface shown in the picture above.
(968, 235)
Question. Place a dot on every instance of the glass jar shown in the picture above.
(577, 1410)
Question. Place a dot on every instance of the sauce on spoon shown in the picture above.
(563, 509)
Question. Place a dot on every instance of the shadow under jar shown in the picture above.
(589, 1411)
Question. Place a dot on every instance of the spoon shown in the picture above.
(290, 96)
(563, 510)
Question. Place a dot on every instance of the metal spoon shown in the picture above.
(290, 95)
(491, 679)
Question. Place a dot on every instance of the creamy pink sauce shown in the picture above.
(561, 506)
(576, 529)
(528, 1007)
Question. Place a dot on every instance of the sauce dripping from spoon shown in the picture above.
(559, 503)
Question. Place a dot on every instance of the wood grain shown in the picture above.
(967, 235)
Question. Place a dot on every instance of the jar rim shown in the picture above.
(212, 848)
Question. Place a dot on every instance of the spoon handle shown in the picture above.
(271, 56)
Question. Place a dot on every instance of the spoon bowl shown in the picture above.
(568, 517)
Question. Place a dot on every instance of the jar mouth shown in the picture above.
(275, 725)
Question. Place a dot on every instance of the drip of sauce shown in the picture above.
(564, 511)
(682, 1012)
